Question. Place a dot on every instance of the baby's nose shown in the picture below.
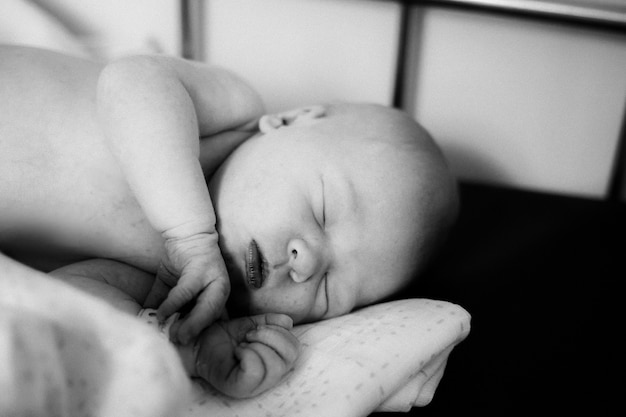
(305, 260)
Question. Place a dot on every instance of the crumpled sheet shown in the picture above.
(387, 357)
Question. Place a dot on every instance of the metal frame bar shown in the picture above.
(192, 29)
(617, 183)
(608, 18)
(404, 38)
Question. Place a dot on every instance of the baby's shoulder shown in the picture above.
(32, 77)
(48, 101)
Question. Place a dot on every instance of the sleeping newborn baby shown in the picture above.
(308, 214)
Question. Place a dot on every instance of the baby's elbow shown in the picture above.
(247, 103)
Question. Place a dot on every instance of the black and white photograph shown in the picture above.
(303, 208)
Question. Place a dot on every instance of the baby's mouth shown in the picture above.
(254, 266)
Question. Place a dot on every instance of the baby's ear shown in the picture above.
(275, 121)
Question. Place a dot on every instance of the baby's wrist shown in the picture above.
(190, 230)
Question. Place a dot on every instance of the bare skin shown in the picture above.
(66, 198)
(59, 154)
(79, 184)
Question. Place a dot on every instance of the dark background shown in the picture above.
(541, 276)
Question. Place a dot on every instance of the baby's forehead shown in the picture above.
(384, 181)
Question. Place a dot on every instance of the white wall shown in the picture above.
(299, 52)
(529, 104)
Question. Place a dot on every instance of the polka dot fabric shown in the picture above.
(387, 357)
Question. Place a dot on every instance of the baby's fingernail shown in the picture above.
(253, 334)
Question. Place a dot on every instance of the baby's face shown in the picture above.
(312, 226)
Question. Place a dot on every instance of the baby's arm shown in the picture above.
(120, 285)
(153, 110)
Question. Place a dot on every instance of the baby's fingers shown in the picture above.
(178, 297)
(284, 344)
(208, 308)
(260, 368)
(275, 319)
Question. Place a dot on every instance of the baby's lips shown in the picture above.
(254, 267)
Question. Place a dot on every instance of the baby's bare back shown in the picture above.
(62, 195)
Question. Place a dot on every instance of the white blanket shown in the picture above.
(388, 357)
(64, 351)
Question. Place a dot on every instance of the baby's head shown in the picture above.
(330, 208)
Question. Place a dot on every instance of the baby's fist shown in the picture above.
(246, 356)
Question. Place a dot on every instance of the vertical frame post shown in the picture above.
(192, 29)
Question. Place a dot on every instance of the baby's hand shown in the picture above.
(246, 356)
(194, 269)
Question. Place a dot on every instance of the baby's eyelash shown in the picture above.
(324, 211)
(326, 291)
(323, 205)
